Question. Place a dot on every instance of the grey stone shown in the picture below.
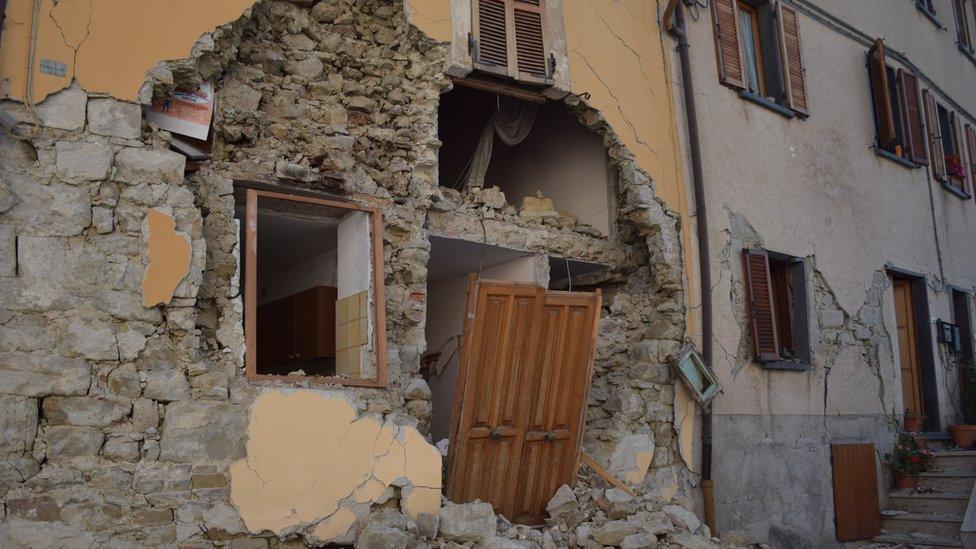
(41, 375)
(39, 508)
(167, 385)
(113, 118)
(18, 423)
(832, 318)
(639, 541)
(417, 389)
(467, 522)
(19, 533)
(65, 442)
(326, 12)
(121, 449)
(624, 459)
(8, 250)
(237, 95)
(84, 411)
(7, 198)
(88, 335)
(145, 415)
(64, 110)
(136, 166)
(81, 161)
(103, 219)
(55, 209)
(563, 501)
(682, 517)
(309, 69)
(687, 540)
(223, 517)
(203, 431)
(377, 536)
(125, 381)
(657, 523)
(621, 504)
(427, 525)
(614, 532)
(500, 543)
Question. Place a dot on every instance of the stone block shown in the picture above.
(18, 423)
(467, 522)
(38, 375)
(39, 508)
(54, 209)
(203, 431)
(18, 532)
(682, 517)
(121, 449)
(103, 219)
(90, 336)
(832, 318)
(113, 118)
(145, 415)
(8, 250)
(84, 411)
(135, 166)
(614, 532)
(66, 442)
(125, 381)
(64, 110)
(79, 161)
(167, 386)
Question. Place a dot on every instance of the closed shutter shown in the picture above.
(725, 19)
(794, 75)
(962, 23)
(971, 145)
(935, 136)
(762, 315)
(491, 35)
(912, 107)
(530, 43)
(857, 512)
(878, 71)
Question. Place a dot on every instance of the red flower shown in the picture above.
(914, 459)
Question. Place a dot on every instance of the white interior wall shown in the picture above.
(316, 271)
(445, 314)
(561, 158)
(355, 274)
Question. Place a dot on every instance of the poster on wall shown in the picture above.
(186, 111)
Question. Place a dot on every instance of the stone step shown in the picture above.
(954, 461)
(935, 525)
(915, 540)
(946, 481)
(953, 503)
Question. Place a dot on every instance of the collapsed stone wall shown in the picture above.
(121, 421)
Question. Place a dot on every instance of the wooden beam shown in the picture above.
(607, 475)
(501, 88)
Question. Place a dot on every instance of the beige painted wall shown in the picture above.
(108, 45)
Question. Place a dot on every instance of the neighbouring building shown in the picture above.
(838, 159)
(250, 336)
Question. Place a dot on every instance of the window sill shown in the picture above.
(763, 102)
(894, 157)
(968, 53)
(931, 16)
(955, 190)
(785, 365)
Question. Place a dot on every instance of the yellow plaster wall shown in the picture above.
(168, 252)
(617, 56)
(108, 45)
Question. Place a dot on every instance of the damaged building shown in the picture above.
(341, 272)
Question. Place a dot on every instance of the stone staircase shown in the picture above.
(932, 514)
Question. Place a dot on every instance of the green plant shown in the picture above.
(906, 458)
(969, 392)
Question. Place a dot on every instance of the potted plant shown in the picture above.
(964, 434)
(906, 461)
(913, 422)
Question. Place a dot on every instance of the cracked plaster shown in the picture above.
(312, 463)
(169, 258)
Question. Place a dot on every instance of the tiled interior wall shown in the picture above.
(351, 333)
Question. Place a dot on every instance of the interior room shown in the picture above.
(557, 157)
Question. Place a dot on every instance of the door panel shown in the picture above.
(857, 513)
(907, 346)
(525, 368)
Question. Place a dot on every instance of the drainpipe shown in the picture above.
(679, 31)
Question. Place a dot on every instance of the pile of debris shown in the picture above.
(587, 517)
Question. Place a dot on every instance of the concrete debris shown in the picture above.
(467, 522)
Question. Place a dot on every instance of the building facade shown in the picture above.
(838, 165)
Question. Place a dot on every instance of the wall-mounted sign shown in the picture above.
(54, 68)
(186, 111)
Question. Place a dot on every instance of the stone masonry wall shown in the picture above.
(119, 422)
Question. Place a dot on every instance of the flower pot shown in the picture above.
(905, 482)
(923, 442)
(963, 436)
(913, 423)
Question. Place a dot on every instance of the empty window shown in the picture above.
(963, 32)
(777, 308)
(952, 148)
(310, 289)
(758, 45)
(897, 108)
(948, 140)
(510, 39)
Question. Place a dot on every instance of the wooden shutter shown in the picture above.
(857, 512)
(955, 125)
(878, 71)
(962, 23)
(794, 73)
(971, 145)
(912, 107)
(491, 34)
(762, 316)
(523, 378)
(936, 150)
(725, 20)
(530, 42)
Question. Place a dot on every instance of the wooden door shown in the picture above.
(911, 386)
(524, 372)
(560, 383)
(857, 514)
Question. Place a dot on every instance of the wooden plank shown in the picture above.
(857, 514)
(588, 460)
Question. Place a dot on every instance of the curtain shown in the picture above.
(512, 123)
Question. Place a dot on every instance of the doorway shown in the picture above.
(523, 378)
(918, 383)
(961, 318)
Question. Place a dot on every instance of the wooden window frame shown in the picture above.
(964, 37)
(789, 303)
(757, 49)
(250, 289)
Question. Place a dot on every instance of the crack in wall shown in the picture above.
(64, 38)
